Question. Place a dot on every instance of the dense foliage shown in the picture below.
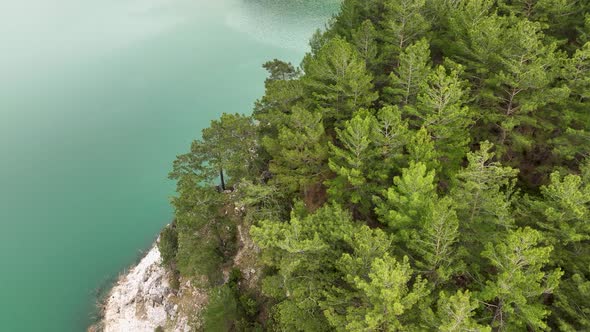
(425, 168)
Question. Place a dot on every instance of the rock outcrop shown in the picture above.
(143, 300)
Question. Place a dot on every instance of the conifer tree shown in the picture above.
(353, 162)
(386, 299)
(298, 153)
(301, 251)
(528, 69)
(537, 10)
(520, 282)
(441, 110)
(283, 90)
(337, 81)
(423, 225)
(421, 149)
(466, 26)
(406, 203)
(353, 13)
(407, 80)
(571, 308)
(514, 73)
(365, 40)
(456, 313)
(558, 18)
(228, 146)
(366, 244)
(566, 208)
(483, 194)
(584, 31)
(369, 148)
(391, 137)
(573, 137)
(434, 242)
(273, 110)
(196, 212)
(280, 71)
(403, 23)
(347, 19)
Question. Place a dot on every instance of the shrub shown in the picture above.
(199, 255)
(222, 312)
(168, 245)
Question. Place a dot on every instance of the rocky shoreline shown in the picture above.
(143, 300)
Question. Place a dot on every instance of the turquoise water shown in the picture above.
(96, 99)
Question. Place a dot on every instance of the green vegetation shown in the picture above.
(426, 168)
(168, 245)
(228, 310)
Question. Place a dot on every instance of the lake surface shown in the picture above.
(96, 99)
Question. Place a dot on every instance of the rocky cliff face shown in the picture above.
(143, 300)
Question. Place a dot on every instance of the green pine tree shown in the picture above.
(300, 252)
(228, 147)
(337, 81)
(484, 193)
(441, 109)
(517, 289)
(408, 79)
(365, 40)
(353, 162)
(403, 24)
(456, 313)
(299, 153)
(386, 301)
(566, 210)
